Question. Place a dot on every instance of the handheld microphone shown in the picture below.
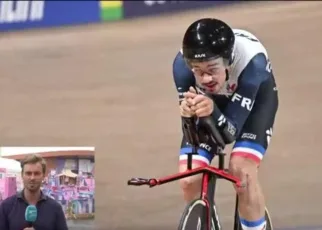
(31, 215)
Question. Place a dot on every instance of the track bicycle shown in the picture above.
(201, 213)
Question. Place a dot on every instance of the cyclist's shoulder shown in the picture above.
(248, 53)
(180, 69)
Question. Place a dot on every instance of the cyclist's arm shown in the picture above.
(231, 120)
(182, 75)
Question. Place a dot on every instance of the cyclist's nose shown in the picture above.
(206, 78)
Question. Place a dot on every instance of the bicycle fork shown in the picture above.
(208, 188)
(207, 195)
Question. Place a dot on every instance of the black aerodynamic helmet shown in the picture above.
(208, 38)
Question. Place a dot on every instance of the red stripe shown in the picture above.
(199, 163)
(246, 155)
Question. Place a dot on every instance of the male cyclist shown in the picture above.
(226, 74)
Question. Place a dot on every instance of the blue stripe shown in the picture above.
(200, 151)
(251, 145)
(251, 224)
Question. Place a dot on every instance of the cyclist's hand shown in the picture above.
(190, 94)
(185, 109)
(202, 105)
(185, 106)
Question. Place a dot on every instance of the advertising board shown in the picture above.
(144, 8)
(111, 10)
(17, 15)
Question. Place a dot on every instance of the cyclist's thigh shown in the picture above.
(255, 136)
(204, 156)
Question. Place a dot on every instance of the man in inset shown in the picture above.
(31, 209)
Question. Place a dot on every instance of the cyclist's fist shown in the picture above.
(185, 106)
(202, 105)
(185, 109)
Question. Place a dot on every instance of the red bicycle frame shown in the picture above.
(209, 172)
(190, 172)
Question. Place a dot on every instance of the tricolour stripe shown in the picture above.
(253, 225)
(249, 149)
(202, 154)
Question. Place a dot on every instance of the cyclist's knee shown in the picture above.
(190, 186)
(246, 170)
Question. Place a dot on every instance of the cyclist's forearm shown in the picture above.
(225, 126)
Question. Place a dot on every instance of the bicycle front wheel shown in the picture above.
(269, 224)
(195, 217)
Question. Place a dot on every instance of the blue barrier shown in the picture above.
(17, 15)
(144, 8)
(20, 15)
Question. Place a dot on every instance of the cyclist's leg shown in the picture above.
(247, 153)
(191, 185)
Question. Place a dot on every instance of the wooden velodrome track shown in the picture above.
(111, 86)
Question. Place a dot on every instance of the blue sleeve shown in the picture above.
(61, 223)
(232, 119)
(182, 75)
(3, 216)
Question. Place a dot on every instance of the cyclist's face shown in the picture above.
(211, 75)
